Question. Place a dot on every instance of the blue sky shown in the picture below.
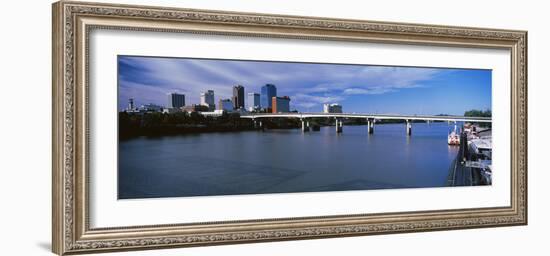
(358, 88)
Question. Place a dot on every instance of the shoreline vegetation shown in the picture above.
(160, 124)
(167, 124)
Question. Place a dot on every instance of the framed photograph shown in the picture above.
(179, 127)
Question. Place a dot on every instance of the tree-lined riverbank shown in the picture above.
(160, 124)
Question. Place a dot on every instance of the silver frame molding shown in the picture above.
(72, 22)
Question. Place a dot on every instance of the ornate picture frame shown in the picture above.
(72, 23)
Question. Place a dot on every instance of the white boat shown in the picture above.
(454, 137)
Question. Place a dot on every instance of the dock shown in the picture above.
(472, 165)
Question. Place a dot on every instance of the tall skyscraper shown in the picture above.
(238, 97)
(176, 100)
(268, 92)
(253, 101)
(280, 104)
(207, 99)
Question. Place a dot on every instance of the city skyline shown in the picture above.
(358, 88)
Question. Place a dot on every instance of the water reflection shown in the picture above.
(281, 161)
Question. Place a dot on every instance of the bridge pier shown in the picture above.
(339, 126)
(305, 125)
(370, 126)
(409, 128)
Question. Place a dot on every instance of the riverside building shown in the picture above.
(176, 100)
(238, 97)
(253, 101)
(225, 105)
(268, 92)
(280, 104)
(207, 99)
(332, 108)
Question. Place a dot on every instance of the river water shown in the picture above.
(282, 161)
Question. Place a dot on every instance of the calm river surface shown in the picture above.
(281, 161)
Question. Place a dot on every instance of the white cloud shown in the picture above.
(369, 91)
(317, 99)
(308, 85)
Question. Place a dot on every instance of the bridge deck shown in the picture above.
(370, 116)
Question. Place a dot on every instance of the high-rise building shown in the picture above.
(280, 104)
(268, 92)
(332, 108)
(326, 108)
(130, 105)
(226, 105)
(253, 101)
(176, 100)
(238, 97)
(207, 99)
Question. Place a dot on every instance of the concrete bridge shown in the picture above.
(371, 119)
